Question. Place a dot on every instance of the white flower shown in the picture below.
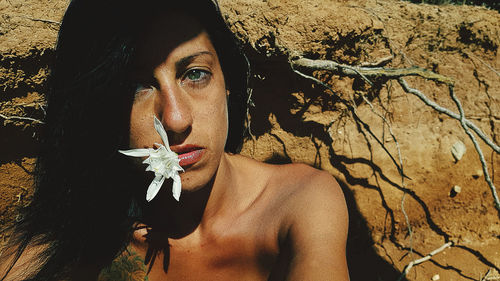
(162, 161)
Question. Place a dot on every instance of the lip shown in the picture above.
(188, 154)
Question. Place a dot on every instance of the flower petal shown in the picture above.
(154, 187)
(176, 187)
(159, 128)
(162, 161)
(138, 152)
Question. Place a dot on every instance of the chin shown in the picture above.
(202, 173)
(193, 181)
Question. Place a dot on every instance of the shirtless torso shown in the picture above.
(237, 218)
(281, 222)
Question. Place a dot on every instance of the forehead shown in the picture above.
(174, 32)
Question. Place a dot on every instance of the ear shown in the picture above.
(227, 93)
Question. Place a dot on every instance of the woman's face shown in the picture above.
(179, 80)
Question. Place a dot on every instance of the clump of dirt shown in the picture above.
(29, 25)
(21, 110)
(394, 220)
(16, 191)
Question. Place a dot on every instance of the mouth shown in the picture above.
(189, 154)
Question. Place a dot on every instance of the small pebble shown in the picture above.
(458, 150)
(478, 174)
(435, 277)
(455, 190)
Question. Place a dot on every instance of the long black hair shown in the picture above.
(86, 196)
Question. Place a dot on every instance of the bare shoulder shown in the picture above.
(306, 186)
(315, 222)
(295, 185)
(314, 199)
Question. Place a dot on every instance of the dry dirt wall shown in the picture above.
(293, 119)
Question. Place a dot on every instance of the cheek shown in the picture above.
(141, 126)
(223, 116)
(216, 121)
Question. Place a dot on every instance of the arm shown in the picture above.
(318, 231)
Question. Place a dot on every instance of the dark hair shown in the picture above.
(86, 197)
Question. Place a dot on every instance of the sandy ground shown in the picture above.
(294, 120)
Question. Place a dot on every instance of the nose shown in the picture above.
(175, 111)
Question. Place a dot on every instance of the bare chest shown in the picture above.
(241, 250)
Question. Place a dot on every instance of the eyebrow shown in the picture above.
(185, 61)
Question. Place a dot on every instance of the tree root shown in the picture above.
(367, 72)
(423, 259)
(395, 73)
(21, 118)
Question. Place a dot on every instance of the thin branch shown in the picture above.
(487, 276)
(407, 220)
(21, 118)
(248, 119)
(400, 158)
(423, 259)
(356, 117)
(43, 20)
(487, 65)
(446, 111)
(313, 79)
(466, 124)
(391, 73)
(478, 149)
(366, 72)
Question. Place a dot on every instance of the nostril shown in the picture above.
(176, 121)
(174, 110)
(176, 138)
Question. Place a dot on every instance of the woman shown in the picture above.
(119, 67)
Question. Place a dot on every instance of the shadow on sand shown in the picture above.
(273, 95)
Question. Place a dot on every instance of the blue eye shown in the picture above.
(197, 75)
